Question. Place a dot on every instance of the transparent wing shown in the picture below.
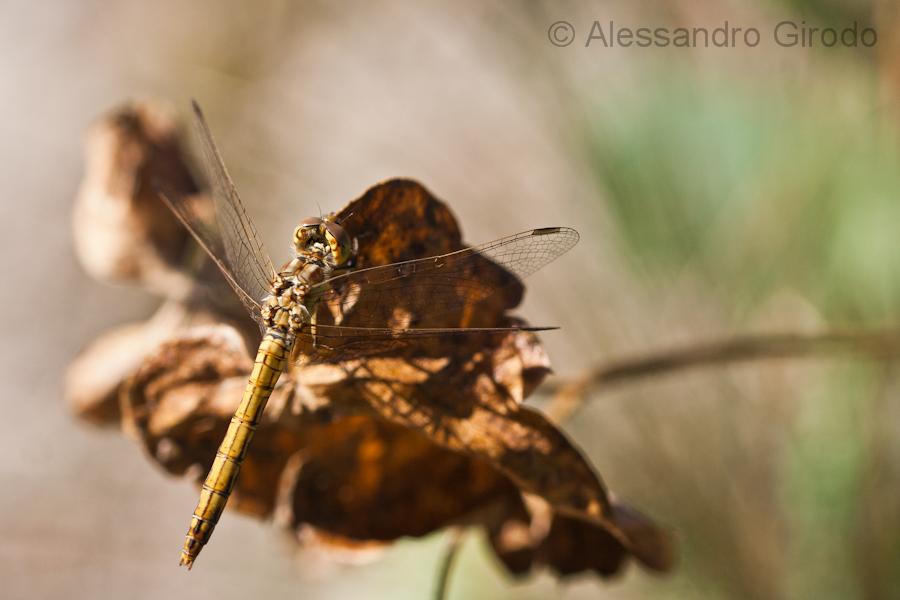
(447, 283)
(224, 229)
(335, 343)
(438, 296)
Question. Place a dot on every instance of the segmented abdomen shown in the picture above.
(271, 359)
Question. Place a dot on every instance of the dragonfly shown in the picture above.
(301, 308)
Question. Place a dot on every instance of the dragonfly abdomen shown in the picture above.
(271, 359)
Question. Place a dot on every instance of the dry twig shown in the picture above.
(876, 344)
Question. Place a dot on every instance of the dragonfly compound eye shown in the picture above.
(307, 232)
(340, 243)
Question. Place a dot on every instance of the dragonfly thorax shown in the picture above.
(320, 246)
(285, 307)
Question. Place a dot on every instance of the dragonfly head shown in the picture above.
(324, 238)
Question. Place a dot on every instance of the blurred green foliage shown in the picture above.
(830, 13)
(757, 189)
(753, 188)
(824, 472)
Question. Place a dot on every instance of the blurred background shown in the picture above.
(717, 190)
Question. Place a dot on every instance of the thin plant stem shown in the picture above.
(875, 344)
(451, 551)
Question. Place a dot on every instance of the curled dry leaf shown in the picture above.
(337, 472)
(122, 232)
(179, 402)
(470, 405)
(93, 380)
(360, 452)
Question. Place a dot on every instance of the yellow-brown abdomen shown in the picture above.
(270, 361)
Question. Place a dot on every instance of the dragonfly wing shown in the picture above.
(431, 304)
(224, 229)
(441, 291)
(329, 343)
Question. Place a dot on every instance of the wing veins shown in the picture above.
(226, 272)
(244, 249)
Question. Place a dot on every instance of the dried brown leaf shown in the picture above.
(122, 232)
(345, 477)
(360, 452)
(178, 405)
(464, 406)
